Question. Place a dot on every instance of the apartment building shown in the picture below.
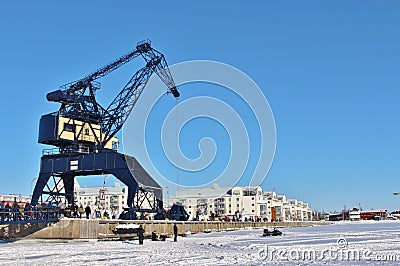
(202, 203)
(110, 198)
(11, 198)
(243, 203)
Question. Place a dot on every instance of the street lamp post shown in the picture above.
(32, 181)
(396, 193)
(166, 187)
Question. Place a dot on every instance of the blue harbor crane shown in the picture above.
(83, 133)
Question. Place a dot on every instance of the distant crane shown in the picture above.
(84, 133)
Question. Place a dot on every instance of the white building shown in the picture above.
(249, 202)
(10, 198)
(110, 198)
(354, 214)
(275, 206)
(244, 203)
(202, 203)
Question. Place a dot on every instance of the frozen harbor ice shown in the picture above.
(345, 243)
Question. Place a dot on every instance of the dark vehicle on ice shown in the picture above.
(274, 232)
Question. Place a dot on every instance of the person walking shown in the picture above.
(7, 212)
(175, 232)
(61, 206)
(75, 212)
(154, 236)
(2, 211)
(81, 211)
(27, 209)
(15, 210)
(141, 234)
(87, 211)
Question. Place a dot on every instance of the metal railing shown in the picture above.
(29, 215)
(50, 151)
(81, 149)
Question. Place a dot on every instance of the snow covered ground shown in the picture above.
(348, 243)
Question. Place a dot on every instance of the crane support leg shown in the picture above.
(68, 181)
(126, 177)
(39, 187)
(123, 167)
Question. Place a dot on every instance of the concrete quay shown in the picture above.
(106, 229)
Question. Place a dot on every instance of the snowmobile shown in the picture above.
(274, 232)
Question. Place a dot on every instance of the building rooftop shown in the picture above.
(215, 192)
(117, 188)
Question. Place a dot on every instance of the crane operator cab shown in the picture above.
(65, 132)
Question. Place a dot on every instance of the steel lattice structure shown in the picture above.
(84, 133)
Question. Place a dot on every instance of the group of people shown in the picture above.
(15, 212)
(87, 212)
(56, 210)
(9, 212)
(154, 236)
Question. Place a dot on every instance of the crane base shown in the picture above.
(125, 168)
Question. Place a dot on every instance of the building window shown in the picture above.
(252, 204)
(252, 210)
(87, 132)
(237, 199)
(237, 205)
(114, 145)
(69, 127)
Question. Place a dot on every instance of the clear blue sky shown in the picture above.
(330, 70)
